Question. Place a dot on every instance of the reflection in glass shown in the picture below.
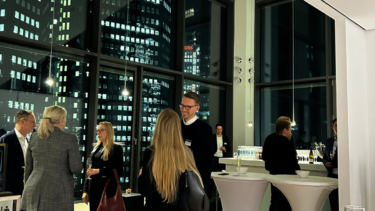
(108, 110)
(36, 95)
(147, 38)
(310, 113)
(205, 39)
(33, 20)
(212, 107)
(158, 93)
(276, 43)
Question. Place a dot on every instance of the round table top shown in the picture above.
(247, 176)
(309, 181)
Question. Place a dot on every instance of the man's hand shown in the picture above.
(223, 149)
(140, 172)
(85, 198)
(329, 165)
(91, 172)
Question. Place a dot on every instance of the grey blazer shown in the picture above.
(50, 165)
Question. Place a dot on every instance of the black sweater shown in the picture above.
(147, 187)
(202, 145)
(279, 155)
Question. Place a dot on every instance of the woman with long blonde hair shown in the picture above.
(106, 156)
(163, 163)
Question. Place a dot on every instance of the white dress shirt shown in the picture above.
(23, 143)
(190, 121)
(219, 153)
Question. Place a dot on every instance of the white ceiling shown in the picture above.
(361, 12)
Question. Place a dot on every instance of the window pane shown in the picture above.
(23, 86)
(205, 39)
(277, 42)
(158, 94)
(144, 41)
(118, 109)
(36, 17)
(212, 107)
(310, 112)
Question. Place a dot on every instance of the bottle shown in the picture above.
(311, 157)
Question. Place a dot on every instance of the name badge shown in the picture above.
(225, 143)
(188, 142)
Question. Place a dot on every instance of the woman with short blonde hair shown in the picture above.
(163, 163)
(106, 156)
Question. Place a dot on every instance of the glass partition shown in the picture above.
(158, 94)
(23, 74)
(118, 109)
(33, 20)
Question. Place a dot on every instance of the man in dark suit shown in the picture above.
(221, 147)
(331, 165)
(17, 142)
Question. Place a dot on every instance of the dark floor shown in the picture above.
(213, 205)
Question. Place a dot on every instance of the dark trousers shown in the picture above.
(211, 185)
(278, 200)
(334, 200)
(95, 192)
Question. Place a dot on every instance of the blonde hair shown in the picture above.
(171, 157)
(110, 142)
(52, 115)
(282, 123)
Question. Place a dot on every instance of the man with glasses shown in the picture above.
(17, 143)
(197, 136)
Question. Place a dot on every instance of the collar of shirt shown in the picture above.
(19, 135)
(190, 121)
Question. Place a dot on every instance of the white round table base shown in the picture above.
(305, 198)
(241, 195)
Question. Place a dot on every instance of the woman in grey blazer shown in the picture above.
(51, 160)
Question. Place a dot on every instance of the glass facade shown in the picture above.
(212, 107)
(310, 112)
(33, 20)
(149, 35)
(158, 94)
(205, 39)
(118, 109)
(277, 42)
(22, 86)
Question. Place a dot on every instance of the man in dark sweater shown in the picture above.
(198, 136)
(279, 156)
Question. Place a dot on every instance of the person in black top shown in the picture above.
(331, 165)
(197, 135)
(163, 163)
(279, 156)
(221, 146)
(105, 157)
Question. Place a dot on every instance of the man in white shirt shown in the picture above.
(17, 143)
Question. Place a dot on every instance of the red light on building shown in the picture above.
(189, 48)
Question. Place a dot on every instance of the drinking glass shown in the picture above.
(89, 164)
(238, 165)
(331, 154)
(353, 208)
(235, 155)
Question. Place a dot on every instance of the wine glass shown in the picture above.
(238, 165)
(89, 164)
(331, 154)
(235, 155)
(353, 208)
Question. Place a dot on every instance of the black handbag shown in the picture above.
(191, 193)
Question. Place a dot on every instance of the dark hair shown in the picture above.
(23, 114)
(194, 96)
(333, 122)
(218, 124)
(282, 123)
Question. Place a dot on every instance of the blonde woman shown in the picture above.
(163, 163)
(105, 157)
(52, 158)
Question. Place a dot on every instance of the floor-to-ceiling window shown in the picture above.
(167, 48)
(295, 40)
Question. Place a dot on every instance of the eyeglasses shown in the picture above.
(66, 118)
(182, 106)
(30, 121)
(99, 131)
